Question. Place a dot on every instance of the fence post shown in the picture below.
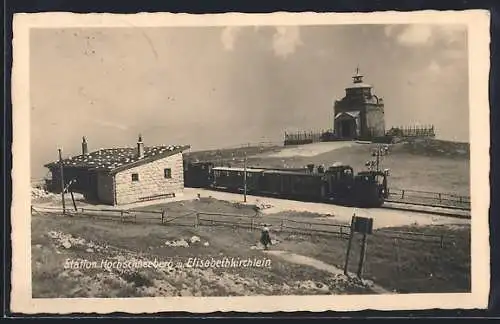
(341, 232)
(197, 220)
(121, 215)
(402, 194)
(442, 240)
(162, 216)
(439, 195)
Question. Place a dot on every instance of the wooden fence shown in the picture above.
(300, 138)
(429, 198)
(138, 216)
(412, 131)
(415, 236)
(193, 218)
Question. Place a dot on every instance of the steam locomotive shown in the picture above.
(336, 184)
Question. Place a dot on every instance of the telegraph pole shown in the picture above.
(62, 181)
(379, 151)
(245, 178)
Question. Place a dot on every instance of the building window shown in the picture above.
(135, 176)
(167, 173)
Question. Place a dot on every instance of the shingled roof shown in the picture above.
(113, 160)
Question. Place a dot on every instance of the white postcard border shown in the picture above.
(478, 28)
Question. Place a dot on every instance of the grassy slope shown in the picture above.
(401, 265)
(230, 153)
(423, 266)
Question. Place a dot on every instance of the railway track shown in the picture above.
(430, 199)
(438, 203)
(450, 207)
(449, 211)
(406, 206)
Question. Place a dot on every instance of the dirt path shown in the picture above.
(320, 265)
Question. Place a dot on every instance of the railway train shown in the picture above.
(336, 184)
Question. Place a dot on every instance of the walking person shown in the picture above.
(265, 238)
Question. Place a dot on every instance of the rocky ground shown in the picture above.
(74, 258)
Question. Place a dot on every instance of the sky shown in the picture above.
(215, 87)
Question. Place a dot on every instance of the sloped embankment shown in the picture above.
(433, 147)
(79, 258)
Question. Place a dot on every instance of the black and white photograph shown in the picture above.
(265, 162)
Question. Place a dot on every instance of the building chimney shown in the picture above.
(140, 148)
(85, 149)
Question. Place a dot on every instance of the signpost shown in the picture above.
(364, 226)
(71, 192)
(351, 236)
(362, 256)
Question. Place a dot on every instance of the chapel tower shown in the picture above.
(360, 114)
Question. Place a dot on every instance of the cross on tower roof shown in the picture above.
(357, 78)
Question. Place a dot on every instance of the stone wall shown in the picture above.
(375, 122)
(152, 181)
(105, 188)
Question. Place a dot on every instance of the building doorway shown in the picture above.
(348, 128)
(346, 125)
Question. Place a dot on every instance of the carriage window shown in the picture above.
(135, 176)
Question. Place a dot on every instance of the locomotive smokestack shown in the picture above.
(85, 149)
(140, 147)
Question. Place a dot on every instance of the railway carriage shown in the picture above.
(292, 184)
(336, 184)
(233, 179)
(198, 174)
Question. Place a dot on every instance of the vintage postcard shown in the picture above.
(250, 162)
